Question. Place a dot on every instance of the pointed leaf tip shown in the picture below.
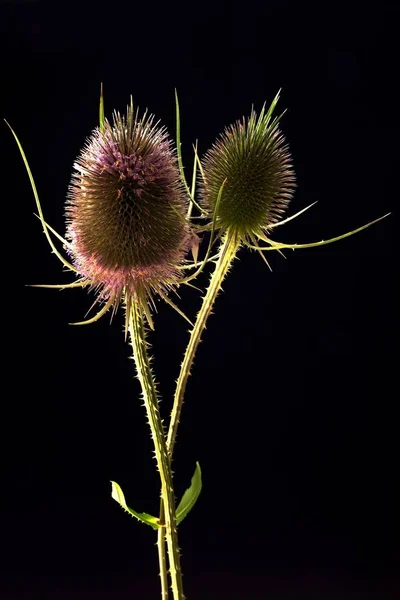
(190, 497)
(118, 495)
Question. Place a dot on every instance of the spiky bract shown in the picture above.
(126, 209)
(253, 158)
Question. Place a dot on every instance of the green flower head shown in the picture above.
(251, 160)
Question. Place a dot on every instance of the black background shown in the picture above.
(291, 405)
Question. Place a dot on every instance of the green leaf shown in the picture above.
(189, 498)
(118, 495)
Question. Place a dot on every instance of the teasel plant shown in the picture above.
(127, 238)
(246, 181)
(129, 231)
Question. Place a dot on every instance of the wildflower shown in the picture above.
(251, 156)
(247, 181)
(126, 211)
(127, 233)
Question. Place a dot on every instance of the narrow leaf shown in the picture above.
(118, 495)
(189, 498)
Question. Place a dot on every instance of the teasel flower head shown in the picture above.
(252, 162)
(247, 182)
(127, 217)
(126, 210)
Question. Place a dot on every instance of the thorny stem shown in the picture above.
(227, 253)
(162, 559)
(145, 376)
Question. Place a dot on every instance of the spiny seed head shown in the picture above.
(253, 158)
(126, 209)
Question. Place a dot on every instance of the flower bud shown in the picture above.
(251, 156)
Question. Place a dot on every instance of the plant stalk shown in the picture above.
(162, 559)
(145, 376)
(227, 252)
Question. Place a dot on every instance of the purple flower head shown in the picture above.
(126, 210)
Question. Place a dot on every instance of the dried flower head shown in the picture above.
(253, 160)
(126, 210)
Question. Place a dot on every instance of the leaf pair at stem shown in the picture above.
(187, 502)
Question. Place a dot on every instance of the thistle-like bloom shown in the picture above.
(253, 160)
(247, 181)
(126, 210)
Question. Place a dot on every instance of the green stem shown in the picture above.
(227, 253)
(162, 559)
(145, 376)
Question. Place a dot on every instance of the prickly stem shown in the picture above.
(145, 376)
(162, 559)
(227, 253)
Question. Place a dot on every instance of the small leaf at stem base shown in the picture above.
(118, 495)
(189, 498)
